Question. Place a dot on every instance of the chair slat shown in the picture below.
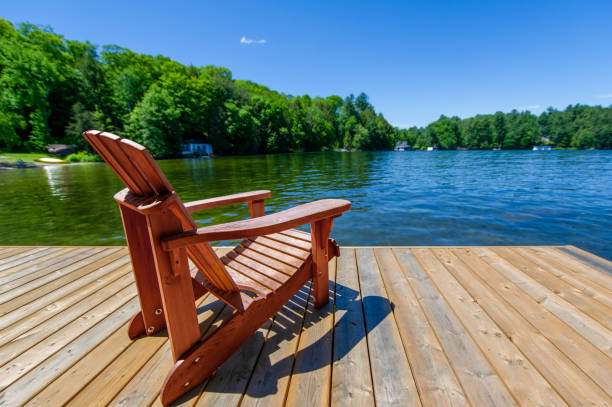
(209, 264)
(93, 137)
(111, 142)
(299, 243)
(298, 234)
(261, 268)
(281, 247)
(268, 261)
(251, 274)
(249, 284)
(273, 253)
(135, 166)
(143, 160)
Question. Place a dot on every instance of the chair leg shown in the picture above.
(150, 319)
(176, 287)
(137, 326)
(206, 356)
(320, 274)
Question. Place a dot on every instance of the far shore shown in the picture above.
(10, 161)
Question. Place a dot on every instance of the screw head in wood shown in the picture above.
(158, 311)
(187, 384)
(196, 360)
(151, 329)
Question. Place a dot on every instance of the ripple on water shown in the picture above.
(412, 198)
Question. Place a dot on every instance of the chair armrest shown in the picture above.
(264, 225)
(244, 197)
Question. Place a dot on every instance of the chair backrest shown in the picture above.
(135, 166)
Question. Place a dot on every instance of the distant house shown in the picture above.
(60, 149)
(402, 146)
(542, 148)
(196, 147)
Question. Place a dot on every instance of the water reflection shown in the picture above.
(414, 198)
(54, 180)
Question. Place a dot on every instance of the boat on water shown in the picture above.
(434, 148)
(50, 160)
(541, 148)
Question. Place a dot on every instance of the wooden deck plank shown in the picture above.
(351, 379)
(36, 270)
(143, 389)
(567, 379)
(20, 256)
(594, 274)
(72, 268)
(437, 383)
(32, 322)
(270, 379)
(63, 388)
(391, 374)
(311, 376)
(582, 323)
(9, 269)
(20, 344)
(65, 357)
(115, 375)
(589, 258)
(523, 380)
(227, 385)
(46, 301)
(559, 288)
(27, 293)
(449, 326)
(104, 387)
(579, 282)
(18, 365)
(480, 382)
(13, 251)
(22, 270)
(578, 349)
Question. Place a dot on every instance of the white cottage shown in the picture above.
(196, 147)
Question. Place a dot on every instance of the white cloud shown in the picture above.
(532, 107)
(605, 96)
(248, 41)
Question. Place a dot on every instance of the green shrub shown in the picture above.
(83, 157)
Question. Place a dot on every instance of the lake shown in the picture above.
(398, 198)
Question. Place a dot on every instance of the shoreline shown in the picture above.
(11, 165)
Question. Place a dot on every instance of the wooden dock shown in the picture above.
(430, 326)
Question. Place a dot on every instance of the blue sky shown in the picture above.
(416, 60)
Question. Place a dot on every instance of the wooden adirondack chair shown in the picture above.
(256, 278)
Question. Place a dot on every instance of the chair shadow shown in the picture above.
(296, 317)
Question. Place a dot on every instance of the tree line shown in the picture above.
(578, 126)
(51, 89)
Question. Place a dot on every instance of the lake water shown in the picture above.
(410, 198)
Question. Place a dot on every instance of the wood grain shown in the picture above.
(350, 345)
(391, 373)
(435, 379)
(481, 384)
(544, 347)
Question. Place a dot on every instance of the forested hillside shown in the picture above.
(51, 89)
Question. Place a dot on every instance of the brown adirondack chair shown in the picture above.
(256, 278)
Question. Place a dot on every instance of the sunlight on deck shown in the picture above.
(429, 326)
